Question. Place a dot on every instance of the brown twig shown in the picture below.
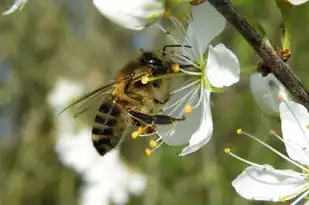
(265, 50)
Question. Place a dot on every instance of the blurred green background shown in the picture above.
(54, 39)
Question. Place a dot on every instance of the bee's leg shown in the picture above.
(155, 119)
(173, 46)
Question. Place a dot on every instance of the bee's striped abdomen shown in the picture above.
(104, 137)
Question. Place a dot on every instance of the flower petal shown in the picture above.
(134, 15)
(268, 184)
(294, 122)
(204, 132)
(266, 92)
(297, 2)
(206, 25)
(18, 4)
(222, 67)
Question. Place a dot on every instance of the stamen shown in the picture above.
(170, 75)
(301, 197)
(307, 126)
(148, 134)
(229, 152)
(183, 59)
(179, 102)
(145, 80)
(186, 86)
(287, 143)
(187, 109)
(166, 14)
(275, 151)
(137, 133)
(183, 99)
(175, 67)
(201, 97)
(239, 131)
(153, 144)
(147, 152)
(190, 72)
(167, 33)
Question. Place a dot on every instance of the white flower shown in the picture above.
(219, 70)
(107, 178)
(267, 92)
(135, 14)
(263, 182)
(297, 2)
(18, 4)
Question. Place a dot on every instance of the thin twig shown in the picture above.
(265, 50)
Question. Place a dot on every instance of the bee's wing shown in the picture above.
(90, 100)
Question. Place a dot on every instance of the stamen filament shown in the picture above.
(148, 134)
(286, 142)
(180, 101)
(183, 99)
(190, 72)
(228, 151)
(275, 151)
(185, 60)
(201, 97)
(301, 197)
(166, 33)
(185, 87)
(170, 75)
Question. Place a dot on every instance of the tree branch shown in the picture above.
(265, 50)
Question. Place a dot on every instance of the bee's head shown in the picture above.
(157, 65)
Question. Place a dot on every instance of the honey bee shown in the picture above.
(129, 100)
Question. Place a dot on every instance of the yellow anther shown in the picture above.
(187, 109)
(227, 150)
(137, 133)
(175, 67)
(153, 144)
(239, 131)
(197, 2)
(280, 97)
(307, 126)
(166, 14)
(181, 16)
(272, 132)
(145, 80)
(147, 152)
(134, 135)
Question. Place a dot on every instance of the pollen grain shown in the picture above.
(187, 109)
(147, 152)
(227, 150)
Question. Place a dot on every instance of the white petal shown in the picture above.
(294, 121)
(266, 92)
(204, 132)
(268, 184)
(297, 2)
(206, 25)
(135, 14)
(222, 67)
(18, 4)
